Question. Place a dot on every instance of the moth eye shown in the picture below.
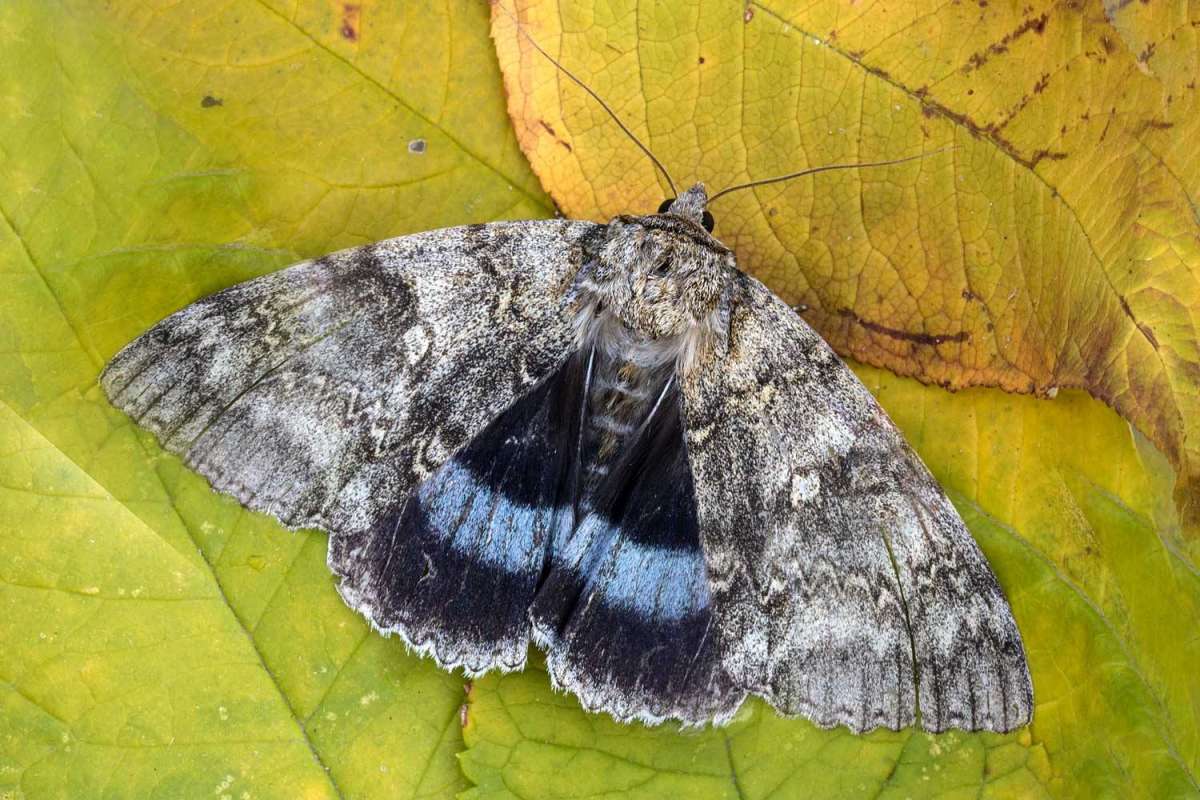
(665, 205)
(708, 222)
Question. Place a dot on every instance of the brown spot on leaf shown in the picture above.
(930, 339)
(1111, 114)
(932, 108)
(1148, 53)
(981, 57)
(208, 101)
(351, 18)
(1038, 88)
(546, 126)
(1156, 125)
(1145, 329)
(991, 134)
(1046, 153)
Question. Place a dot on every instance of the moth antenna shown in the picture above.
(596, 97)
(826, 168)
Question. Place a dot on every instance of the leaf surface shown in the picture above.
(155, 639)
(1050, 240)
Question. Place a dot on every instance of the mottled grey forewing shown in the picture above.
(837, 564)
(323, 393)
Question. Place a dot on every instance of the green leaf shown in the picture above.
(155, 639)
(1075, 516)
(123, 665)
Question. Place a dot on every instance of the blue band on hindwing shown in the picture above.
(489, 544)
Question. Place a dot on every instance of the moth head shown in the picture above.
(663, 275)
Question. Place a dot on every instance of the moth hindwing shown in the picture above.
(605, 440)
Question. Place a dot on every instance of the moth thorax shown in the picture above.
(599, 328)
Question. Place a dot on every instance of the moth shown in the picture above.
(605, 440)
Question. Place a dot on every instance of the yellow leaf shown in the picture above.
(1056, 244)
